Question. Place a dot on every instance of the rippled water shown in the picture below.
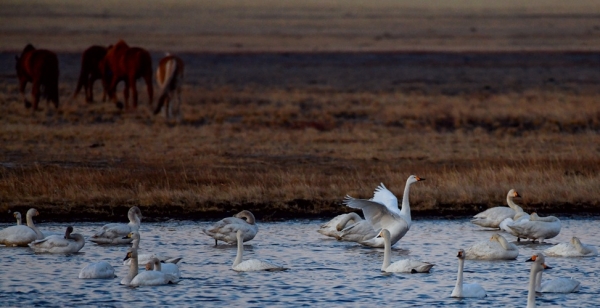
(323, 271)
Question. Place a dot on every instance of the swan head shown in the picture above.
(461, 254)
(17, 215)
(32, 212)
(513, 194)
(131, 254)
(539, 258)
(414, 179)
(134, 235)
(383, 233)
(133, 213)
(246, 215)
(150, 266)
(68, 232)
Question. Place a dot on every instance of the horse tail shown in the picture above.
(170, 69)
(51, 80)
(83, 74)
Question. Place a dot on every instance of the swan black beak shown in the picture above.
(530, 260)
(546, 266)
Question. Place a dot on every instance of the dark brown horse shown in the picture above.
(40, 67)
(91, 70)
(124, 63)
(169, 76)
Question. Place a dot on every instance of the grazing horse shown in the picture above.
(40, 67)
(169, 76)
(91, 70)
(124, 63)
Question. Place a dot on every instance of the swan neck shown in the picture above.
(405, 211)
(136, 244)
(133, 269)
(459, 276)
(251, 220)
(342, 224)
(18, 221)
(533, 277)
(387, 251)
(503, 242)
(31, 225)
(157, 265)
(240, 250)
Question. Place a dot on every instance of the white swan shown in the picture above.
(402, 266)
(497, 248)
(536, 228)
(144, 258)
(225, 229)
(573, 249)
(167, 268)
(492, 217)
(69, 243)
(465, 289)
(252, 264)
(558, 285)
(381, 212)
(145, 278)
(113, 233)
(97, 270)
(333, 227)
(21, 235)
(536, 268)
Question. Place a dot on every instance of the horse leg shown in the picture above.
(134, 92)
(149, 88)
(112, 92)
(178, 105)
(89, 89)
(22, 85)
(35, 93)
(126, 95)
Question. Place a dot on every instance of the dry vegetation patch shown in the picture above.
(298, 152)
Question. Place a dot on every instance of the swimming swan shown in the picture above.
(536, 228)
(113, 233)
(97, 270)
(558, 285)
(497, 248)
(144, 258)
(225, 229)
(145, 278)
(69, 243)
(536, 268)
(381, 212)
(333, 227)
(573, 249)
(402, 266)
(21, 235)
(492, 217)
(465, 289)
(252, 264)
(167, 268)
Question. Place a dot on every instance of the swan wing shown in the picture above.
(152, 278)
(257, 265)
(19, 235)
(377, 214)
(560, 285)
(383, 196)
(473, 290)
(491, 218)
(113, 233)
(490, 250)
(358, 232)
(225, 230)
(98, 270)
(409, 266)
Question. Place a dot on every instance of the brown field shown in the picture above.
(289, 134)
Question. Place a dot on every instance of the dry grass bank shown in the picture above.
(299, 152)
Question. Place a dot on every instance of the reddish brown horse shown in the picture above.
(40, 67)
(124, 63)
(169, 77)
(91, 70)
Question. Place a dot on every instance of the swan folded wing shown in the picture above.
(377, 214)
(409, 266)
(358, 232)
(153, 278)
(114, 231)
(473, 290)
(560, 285)
(384, 196)
(257, 265)
(51, 241)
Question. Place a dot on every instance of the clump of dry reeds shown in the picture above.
(299, 152)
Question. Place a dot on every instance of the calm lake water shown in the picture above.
(323, 271)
